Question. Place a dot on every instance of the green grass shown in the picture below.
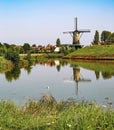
(52, 115)
(5, 65)
(93, 51)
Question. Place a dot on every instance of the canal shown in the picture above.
(80, 80)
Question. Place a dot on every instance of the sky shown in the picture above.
(41, 22)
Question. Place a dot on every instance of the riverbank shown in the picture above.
(5, 65)
(47, 114)
(103, 52)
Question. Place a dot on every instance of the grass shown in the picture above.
(5, 65)
(47, 114)
(93, 51)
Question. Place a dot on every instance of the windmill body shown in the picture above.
(76, 34)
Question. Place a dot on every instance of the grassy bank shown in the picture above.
(5, 65)
(50, 115)
(93, 52)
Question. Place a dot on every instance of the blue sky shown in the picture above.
(43, 21)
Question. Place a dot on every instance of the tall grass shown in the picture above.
(64, 115)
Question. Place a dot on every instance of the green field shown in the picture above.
(104, 51)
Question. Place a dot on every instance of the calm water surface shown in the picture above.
(78, 80)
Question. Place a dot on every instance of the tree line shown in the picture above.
(106, 38)
(11, 51)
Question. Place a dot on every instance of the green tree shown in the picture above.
(26, 47)
(12, 56)
(111, 38)
(28, 58)
(96, 38)
(105, 36)
(6, 45)
(58, 42)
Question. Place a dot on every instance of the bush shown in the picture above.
(12, 56)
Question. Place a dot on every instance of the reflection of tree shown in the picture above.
(97, 73)
(58, 68)
(13, 74)
(106, 75)
(28, 69)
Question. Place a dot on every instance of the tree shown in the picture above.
(96, 38)
(12, 56)
(111, 38)
(26, 47)
(6, 45)
(58, 42)
(105, 36)
(34, 45)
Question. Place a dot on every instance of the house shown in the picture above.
(57, 49)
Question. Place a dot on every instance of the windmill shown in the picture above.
(76, 34)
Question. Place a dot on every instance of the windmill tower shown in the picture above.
(76, 34)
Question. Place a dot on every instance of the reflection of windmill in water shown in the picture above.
(76, 34)
(77, 77)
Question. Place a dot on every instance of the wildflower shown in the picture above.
(104, 106)
(109, 103)
(69, 125)
(48, 123)
(52, 122)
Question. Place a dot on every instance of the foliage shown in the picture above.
(111, 38)
(26, 47)
(58, 42)
(28, 58)
(65, 115)
(96, 38)
(105, 36)
(12, 56)
(5, 65)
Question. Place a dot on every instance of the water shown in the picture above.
(78, 80)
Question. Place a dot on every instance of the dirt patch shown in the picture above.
(92, 57)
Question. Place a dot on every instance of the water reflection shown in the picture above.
(77, 77)
(52, 73)
(28, 69)
(101, 68)
(104, 69)
(13, 74)
(105, 75)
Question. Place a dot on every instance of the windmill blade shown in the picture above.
(85, 80)
(84, 31)
(76, 23)
(68, 32)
